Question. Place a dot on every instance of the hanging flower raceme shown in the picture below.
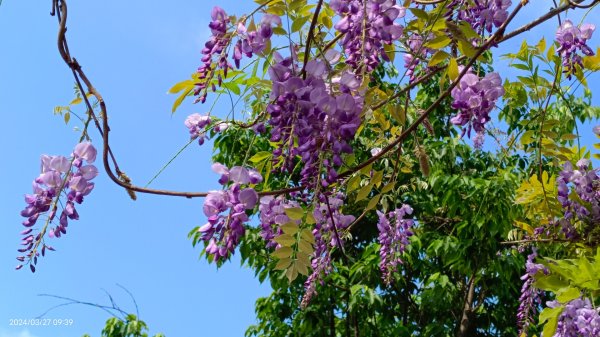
(197, 124)
(254, 41)
(60, 177)
(416, 52)
(578, 319)
(310, 120)
(330, 222)
(584, 181)
(530, 298)
(474, 98)
(216, 49)
(226, 209)
(273, 216)
(485, 14)
(394, 233)
(367, 26)
(572, 39)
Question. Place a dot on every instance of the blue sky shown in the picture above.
(133, 51)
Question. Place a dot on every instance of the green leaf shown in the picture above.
(299, 23)
(452, 69)
(388, 187)
(283, 252)
(353, 183)
(363, 192)
(295, 213)
(438, 42)
(260, 156)
(180, 99)
(466, 48)
(291, 273)
(182, 86)
(306, 234)
(419, 13)
(541, 46)
(377, 177)
(550, 316)
(290, 228)
(373, 202)
(566, 295)
(527, 137)
(283, 264)
(438, 57)
(305, 246)
(76, 101)
(285, 240)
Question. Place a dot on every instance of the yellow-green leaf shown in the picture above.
(261, 156)
(452, 69)
(438, 42)
(289, 228)
(291, 273)
(283, 252)
(364, 192)
(438, 57)
(295, 213)
(285, 240)
(283, 264)
(306, 234)
(388, 187)
(76, 101)
(373, 202)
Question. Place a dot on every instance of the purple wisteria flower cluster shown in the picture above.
(570, 40)
(254, 41)
(329, 224)
(578, 319)
(413, 58)
(60, 177)
(197, 124)
(311, 121)
(367, 25)
(485, 14)
(216, 48)
(272, 216)
(530, 298)
(226, 210)
(474, 98)
(584, 181)
(394, 234)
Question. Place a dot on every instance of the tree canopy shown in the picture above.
(376, 169)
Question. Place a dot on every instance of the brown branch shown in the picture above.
(118, 177)
(465, 321)
(310, 37)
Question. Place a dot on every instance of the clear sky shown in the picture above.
(133, 51)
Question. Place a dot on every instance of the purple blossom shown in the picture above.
(327, 231)
(578, 319)
(226, 210)
(570, 40)
(485, 14)
(197, 124)
(394, 234)
(59, 177)
(367, 25)
(309, 121)
(254, 42)
(530, 298)
(583, 181)
(474, 98)
(272, 216)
